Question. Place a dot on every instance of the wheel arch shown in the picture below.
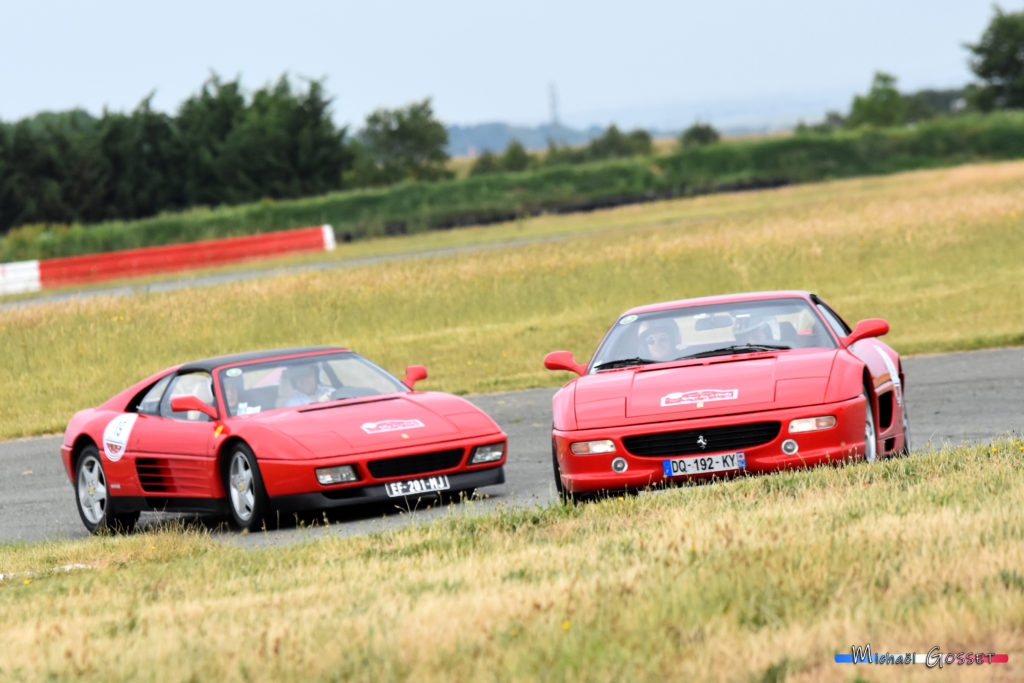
(224, 452)
(870, 393)
(83, 441)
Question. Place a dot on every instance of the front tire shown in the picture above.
(564, 494)
(905, 423)
(247, 498)
(92, 494)
(870, 435)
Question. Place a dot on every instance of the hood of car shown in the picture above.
(705, 388)
(380, 422)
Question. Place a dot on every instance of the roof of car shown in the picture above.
(210, 364)
(720, 299)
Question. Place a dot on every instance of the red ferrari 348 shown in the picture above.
(724, 385)
(287, 429)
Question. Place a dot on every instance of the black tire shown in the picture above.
(247, 499)
(564, 495)
(905, 422)
(870, 431)
(92, 496)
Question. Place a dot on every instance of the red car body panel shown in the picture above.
(169, 463)
(627, 405)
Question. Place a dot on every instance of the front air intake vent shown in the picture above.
(421, 463)
(698, 441)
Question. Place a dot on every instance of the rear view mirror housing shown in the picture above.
(563, 360)
(870, 327)
(413, 374)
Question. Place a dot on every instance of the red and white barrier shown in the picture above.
(20, 276)
(31, 276)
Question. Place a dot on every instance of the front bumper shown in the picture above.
(590, 473)
(375, 493)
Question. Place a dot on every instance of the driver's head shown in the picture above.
(232, 388)
(306, 379)
(659, 340)
(753, 329)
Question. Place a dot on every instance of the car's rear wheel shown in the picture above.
(92, 494)
(246, 496)
(870, 437)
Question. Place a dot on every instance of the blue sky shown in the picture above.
(637, 63)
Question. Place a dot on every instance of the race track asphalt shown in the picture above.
(953, 398)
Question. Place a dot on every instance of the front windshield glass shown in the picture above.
(303, 380)
(718, 329)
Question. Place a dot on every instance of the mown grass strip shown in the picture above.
(730, 581)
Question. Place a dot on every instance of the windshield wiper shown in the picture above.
(624, 362)
(736, 348)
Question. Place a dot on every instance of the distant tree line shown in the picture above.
(220, 148)
(224, 147)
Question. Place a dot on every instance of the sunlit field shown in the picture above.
(940, 254)
(759, 578)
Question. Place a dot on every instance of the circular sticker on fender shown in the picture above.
(115, 436)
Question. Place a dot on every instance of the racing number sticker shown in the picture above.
(115, 436)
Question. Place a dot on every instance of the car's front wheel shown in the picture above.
(870, 438)
(92, 493)
(905, 423)
(563, 494)
(246, 496)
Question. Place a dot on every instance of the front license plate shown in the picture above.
(702, 464)
(412, 487)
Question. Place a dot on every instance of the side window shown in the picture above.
(834, 321)
(150, 403)
(198, 384)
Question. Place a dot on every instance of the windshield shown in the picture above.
(719, 329)
(303, 380)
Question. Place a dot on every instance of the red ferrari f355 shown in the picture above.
(724, 385)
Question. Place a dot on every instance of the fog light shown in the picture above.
(488, 453)
(789, 447)
(619, 465)
(336, 475)
(592, 447)
(812, 424)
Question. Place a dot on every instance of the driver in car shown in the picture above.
(307, 387)
(754, 329)
(659, 340)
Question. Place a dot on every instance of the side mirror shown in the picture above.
(871, 327)
(181, 404)
(413, 374)
(563, 360)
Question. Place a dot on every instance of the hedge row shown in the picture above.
(415, 207)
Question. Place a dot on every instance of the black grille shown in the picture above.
(716, 440)
(154, 475)
(421, 463)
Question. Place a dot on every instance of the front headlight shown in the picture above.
(812, 424)
(592, 447)
(489, 453)
(336, 475)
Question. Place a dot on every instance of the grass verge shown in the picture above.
(759, 578)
